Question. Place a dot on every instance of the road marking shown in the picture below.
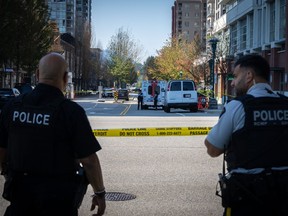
(125, 110)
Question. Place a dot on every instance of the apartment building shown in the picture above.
(189, 19)
(250, 27)
(70, 15)
(73, 18)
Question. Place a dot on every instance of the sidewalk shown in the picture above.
(218, 110)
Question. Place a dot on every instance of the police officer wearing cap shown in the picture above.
(252, 133)
(43, 140)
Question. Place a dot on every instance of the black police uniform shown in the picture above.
(261, 143)
(140, 101)
(44, 135)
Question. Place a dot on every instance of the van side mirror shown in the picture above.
(162, 89)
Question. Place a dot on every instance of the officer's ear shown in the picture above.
(65, 77)
(250, 75)
(37, 73)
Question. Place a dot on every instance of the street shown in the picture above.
(108, 107)
(168, 175)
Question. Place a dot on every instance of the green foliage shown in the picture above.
(122, 69)
(177, 55)
(149, 68)
(25, 33)
(123, 53)
(207, 92)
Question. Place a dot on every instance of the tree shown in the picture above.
(123, 53)
(86, 56)
(25, 33)
(149, 68)
(175, 58)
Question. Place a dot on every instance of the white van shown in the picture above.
(149, 87)
(181, 94)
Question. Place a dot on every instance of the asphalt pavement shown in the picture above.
(165, 176)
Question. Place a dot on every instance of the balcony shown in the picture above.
(225, 1)
(211, 13)
(220, 23)
(238, 11)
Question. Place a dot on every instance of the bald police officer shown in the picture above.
(252, 132)
(43, 139)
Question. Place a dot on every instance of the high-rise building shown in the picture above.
(256, 27)
(71, 16)
(189, 19)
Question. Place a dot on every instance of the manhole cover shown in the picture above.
(117, 196)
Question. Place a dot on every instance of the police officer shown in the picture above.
(43, 139)
(252, 132)
(140, 100)
(155, 100)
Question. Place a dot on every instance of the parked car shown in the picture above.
(7, 94)
(123, 94)
(212, 103)
(23, 87)
(108, 93)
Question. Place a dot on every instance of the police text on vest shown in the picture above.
(31, 118)
(264, 117)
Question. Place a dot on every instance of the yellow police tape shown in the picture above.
(159, 131)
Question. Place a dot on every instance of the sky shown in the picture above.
(148, 22)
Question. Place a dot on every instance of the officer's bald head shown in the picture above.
(52, 68)
(52, 71)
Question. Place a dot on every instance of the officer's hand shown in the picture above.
(100, 202)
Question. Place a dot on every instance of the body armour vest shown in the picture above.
(35, 145)
(263, 141)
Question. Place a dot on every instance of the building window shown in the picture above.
(223, 10)
(259, 27)
(243, 34)
(251, 30)
(282, 19)
(180, 6)
(233, 39)
(272, 22)
(186, 24)
(186, 14)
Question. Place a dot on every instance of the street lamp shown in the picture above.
(213, 42)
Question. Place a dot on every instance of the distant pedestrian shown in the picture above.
(155, 100)
(140, 100)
